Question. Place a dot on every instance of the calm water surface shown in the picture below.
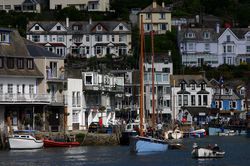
(237, 154)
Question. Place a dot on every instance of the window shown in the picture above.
(31, 89)
(73, 98)
(87, 38)
(192, 100)
(10, 63)
(60, 38)
(165, 77)
(248, 38)
(162, 16)
(1, 88)
(206, 35)
(122, 50)
(158, 78)
(120, 27)
(10, 88)
(89, 80)
(189, 35)
(183, 86)
(185, 100)
(58, 28)
(113, 38)
(179, 100)
(1, 62)
(192, 86)
(20, 63)
(248, 49)
(148, 16)
(75, 27)
(98, 50)
(35, 38)
(75, 116)
(207, 47)
(190, 46)
(122, 38)
(199, 99)
(45, 38)
(233, 104)
(205, 100)
(228, 38)
(147, 27)
(7, 7)
(30, 64)
(166, 70)
(1, 7)
(78, 99)
(99, 28)
(203, 86)
(163, 27)
(36, 27)
(4, 37)
(98, 38)
(53, 69)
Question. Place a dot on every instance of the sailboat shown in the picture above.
(142, 143)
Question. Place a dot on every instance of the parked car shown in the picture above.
(93, 127)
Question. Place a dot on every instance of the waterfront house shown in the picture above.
(52, 67)
(20, 6)
(190, 93)
(82, 38)
(214, 46)
(156, 18)
(87, 5)
(21, 102)
(99, 96)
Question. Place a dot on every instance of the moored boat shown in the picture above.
(53, 143)
(207, 152)
(18, 141)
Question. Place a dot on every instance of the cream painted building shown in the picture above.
(156, 17)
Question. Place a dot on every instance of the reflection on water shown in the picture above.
(237, 153)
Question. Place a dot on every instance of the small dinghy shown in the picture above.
(207, 152)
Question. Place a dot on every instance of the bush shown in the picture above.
(80, 137)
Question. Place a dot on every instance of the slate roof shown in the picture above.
(85, 27)
(189, 79)
(157, 9)
(158, 57)
(16, 49)
(194, 111)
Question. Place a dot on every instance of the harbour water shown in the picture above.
(237, 150)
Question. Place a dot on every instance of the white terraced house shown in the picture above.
(214, 47)
(83, 39)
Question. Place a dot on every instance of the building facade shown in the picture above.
(88, 5)
(156, 18)
(82, 39)
(20, 6)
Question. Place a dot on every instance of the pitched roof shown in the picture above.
(175, 80)
(157, 9)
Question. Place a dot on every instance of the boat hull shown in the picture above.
(51, 143)
(207, 153)
(25, 143)
(140, 144)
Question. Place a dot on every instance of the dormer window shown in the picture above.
(192, 86)
(203, 86)
(36, 27)
(20, 63)
(120, 27)
(75, 27)
(228, 38)
(4, 37)
(99, 28)
(58, 28)
(206, 35)
(30, 64)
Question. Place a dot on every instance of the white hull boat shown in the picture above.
(24, 142)
(202, 152)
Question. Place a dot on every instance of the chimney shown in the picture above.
(154, 4)
(163, 5)
(179, 27)
(67, 22)
(169, 52)
(217, 28)
(90, 20)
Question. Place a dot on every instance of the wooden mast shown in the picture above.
(153, 80)
(141, 77)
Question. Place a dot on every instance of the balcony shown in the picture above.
(25, 98)
(53, 76)
(57, 99)
(107, 88)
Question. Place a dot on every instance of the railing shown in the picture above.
(27, 98)
(53, 75)
(109, 88)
